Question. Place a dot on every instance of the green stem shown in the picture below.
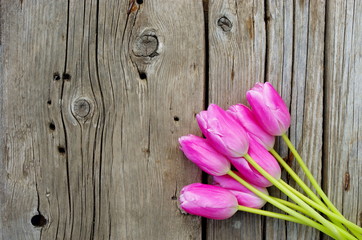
(355, 228)
(310, 176)
(285, 217)
(337, 230)
(296, 177)
(293, 206)
(277, 204)
(299, 181)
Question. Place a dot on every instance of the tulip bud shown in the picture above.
(244, 196)
(269, 108)
(246, 118)
(223, 132)
(208, 201)
(199, 151)
(264, 159)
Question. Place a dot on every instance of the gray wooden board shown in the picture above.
(94, 95)
(342, 175)
(111, 168)
(236, 62)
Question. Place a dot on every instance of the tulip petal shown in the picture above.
(248, 200)
(244, 195)
(199, 151)
(249, 173)
(247, 120)
(223, 132)
(208, 201)
(269, 108)
(264, 159)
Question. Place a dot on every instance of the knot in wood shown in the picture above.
(146, 46)
(225, 24)
(81, 108)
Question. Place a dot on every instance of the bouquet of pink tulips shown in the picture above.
(244, 138)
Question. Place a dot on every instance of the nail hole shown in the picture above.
(38, 220)
(49, 102)
(66, 76)
(52, 126)
(61, 149)
(139, 1)
(174, 198)
(56, 76)
(143, 75)
(176, 118)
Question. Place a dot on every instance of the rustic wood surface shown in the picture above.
(236, 61)
(94, 95)
(342, 175)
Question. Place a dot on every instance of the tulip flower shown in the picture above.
(269, 108)
(199, 151)
(247, 119)
(208, 201)
(244, 196)
(264, 159)
(223, 132)
(244, 137)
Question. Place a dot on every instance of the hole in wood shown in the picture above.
(176, 118)
(56, 76)
(143, 75)
(225, 24)
(173, 198)
(66, 76)
(38, 220)
(61, 150)
(49, 102)
(52, 126)
(139, 1)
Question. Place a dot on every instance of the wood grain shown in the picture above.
(33, 172)
(279, 68)
(236, 61)
(108, 166)
(307, 96)
(94, 95)
(288, 56)
(342, 138)
(297, 70)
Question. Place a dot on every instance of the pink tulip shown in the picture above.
(246, 118)
(265, 160)
(199, 151)
(244, 196)
(208, 201)
(224, 133)
(269, 108)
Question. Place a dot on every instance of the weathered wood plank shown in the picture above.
(32, 170)
(156, 86)
(301, 75)
(342, 138)
(236, 61)
(93, 96)
(88, 109)
(307, 96)
(279, 33)
(292, 65)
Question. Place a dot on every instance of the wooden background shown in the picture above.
(94, 95)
